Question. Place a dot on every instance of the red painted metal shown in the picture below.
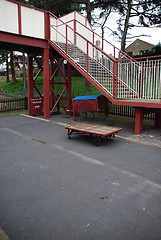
(19, 19)
(75, 12)
(36, 106)
(52, 86)
(69, 98)
(94, 130)
(30, 81)
(93, 44)
(139, 120)
(47, 25)
(37, 90)
(42, 45)
(46, 84)
(66, 39)
(75, 28)
(137, 103)
(27, 5)
(38, 73)
(98, 105)
(116, 77)
(20, 40)
(58, 100)
(51, 83)
(57, 68)
(87, 56)
(82, 72)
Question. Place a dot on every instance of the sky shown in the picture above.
(153, 34)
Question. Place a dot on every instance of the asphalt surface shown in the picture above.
(53, 188)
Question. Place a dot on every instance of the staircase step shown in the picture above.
(97, 71)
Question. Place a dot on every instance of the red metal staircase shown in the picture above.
(118, 77)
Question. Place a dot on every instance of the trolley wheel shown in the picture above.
(111, 137)
(95, 140)
(69, 133)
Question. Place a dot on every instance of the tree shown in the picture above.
(24, 70)
(12, 67)
(4, 60)
(157, 49)
(58, 7)
(104, 7)
(148, 13)
(7, 67)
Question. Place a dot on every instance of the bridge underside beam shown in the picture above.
(20, 43)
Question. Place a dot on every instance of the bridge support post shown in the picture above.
(30, 81)
(158, 120)
(139, 120)
(51, 83)
(69, 99)
(46, 83)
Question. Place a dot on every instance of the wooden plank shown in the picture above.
(93, 129)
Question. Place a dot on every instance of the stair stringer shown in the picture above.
(83, 73)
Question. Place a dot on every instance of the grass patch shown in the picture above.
(14, 89)
(12, 113)
(78, 87)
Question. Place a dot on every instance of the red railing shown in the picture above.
(118, 88)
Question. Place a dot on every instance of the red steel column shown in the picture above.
(69, 98)
(47, 25)
(30, 81)
(19, 19)
(46, 84)
(51, 83)
(158, 120)
(139, 120)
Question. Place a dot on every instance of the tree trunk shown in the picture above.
(12, 68)
(126, 26)
(88, 9)
(103, 33)
(7, 68)
(24, 71)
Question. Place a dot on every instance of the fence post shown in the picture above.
(25, 103)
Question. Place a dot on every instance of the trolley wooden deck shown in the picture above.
(97, 132)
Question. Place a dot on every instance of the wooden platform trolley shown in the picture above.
(97, 132)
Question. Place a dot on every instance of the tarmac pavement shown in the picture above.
(55, 188)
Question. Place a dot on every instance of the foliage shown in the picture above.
(58, 7)
(157, 49)
(2, 56)
(148, 13)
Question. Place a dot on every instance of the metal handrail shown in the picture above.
(96, 49)
(128, 74)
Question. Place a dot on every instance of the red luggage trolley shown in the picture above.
(93, 103)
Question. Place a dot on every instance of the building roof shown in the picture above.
(139, 45)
